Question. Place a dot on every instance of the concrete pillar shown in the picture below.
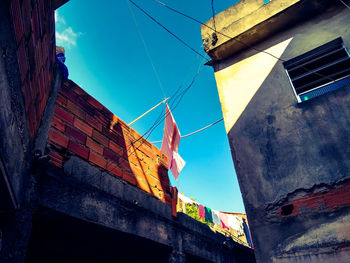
(176, 257)
(15, 229)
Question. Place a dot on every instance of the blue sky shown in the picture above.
(106, 57)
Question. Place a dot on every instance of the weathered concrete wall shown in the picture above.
(26, 71)
(291, 159)
(90, 194)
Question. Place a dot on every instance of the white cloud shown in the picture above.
(59, 19)
(65, 36)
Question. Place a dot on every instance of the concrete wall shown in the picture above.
(286, 154)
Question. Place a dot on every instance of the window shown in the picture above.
(319, 71)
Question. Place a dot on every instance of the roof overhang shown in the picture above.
(250, 21)
(58, 3)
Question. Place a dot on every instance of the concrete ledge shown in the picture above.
(251, 21)
(88, 194)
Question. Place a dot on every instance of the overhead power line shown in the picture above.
(146, 48)
(239, 41)
(166, 29)
(345, 4)
(213, 10)
(218, 32)
(202, 129)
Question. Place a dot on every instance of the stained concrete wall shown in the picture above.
(288, 155)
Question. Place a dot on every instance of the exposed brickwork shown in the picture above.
(34, 31)
(84, 127)
(328, 200)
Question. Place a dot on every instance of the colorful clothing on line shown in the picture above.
(208, 215)
(201, 211)
(215, 216)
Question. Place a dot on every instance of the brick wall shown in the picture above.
(326, 200)
(34, 30)
(83, 127)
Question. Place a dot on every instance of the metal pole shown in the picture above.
(147, 112)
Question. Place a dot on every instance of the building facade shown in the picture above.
(282, 71)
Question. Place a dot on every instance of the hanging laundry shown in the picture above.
(170, 143)
(223, 225)
(201, 211)
(224, 220)
(234, 223)
(177, 164)
(215, 217)
(247, 233)
(208, 215)
(185, 199)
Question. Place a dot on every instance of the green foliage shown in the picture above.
(192, 211)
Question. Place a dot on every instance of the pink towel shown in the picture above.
(170, 144)
(201, 211)
(224, 220)
(223, 225)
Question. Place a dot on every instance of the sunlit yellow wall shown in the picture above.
(238, 83)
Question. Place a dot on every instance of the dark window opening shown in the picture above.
(319, 71)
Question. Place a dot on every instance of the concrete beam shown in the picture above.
(89, 194)
(250, 21)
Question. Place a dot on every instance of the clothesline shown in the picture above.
(202, 129)
(226, 221)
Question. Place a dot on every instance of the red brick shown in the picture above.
(17, 19)
(58, 124)
(111, 155)
(100, 138)
(85, 128)
(93, 122)
(94, 145)
(42, 106)
(26, 11)
(26, 89)
(61, 100)
(38, 55)
(56, 158)
(97, 159)
(101, 118)
(114, 169)
(35, 23)
(78, 149)
(80, 91)
(59, 138)
(75, 109)
(124, 164)
(154, 182)
(42, 16)
(68, 93)
(142, 184)
(64, 115)
(129, 177)
(116, 148)
(106, 112)
(22, 60)
(95, 103)
(74, 133)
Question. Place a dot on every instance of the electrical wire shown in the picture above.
(218, 32)
(237, 40)
(202, 129)
(345, 4)
(145, 47)
(213, 11)
(166, 29)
